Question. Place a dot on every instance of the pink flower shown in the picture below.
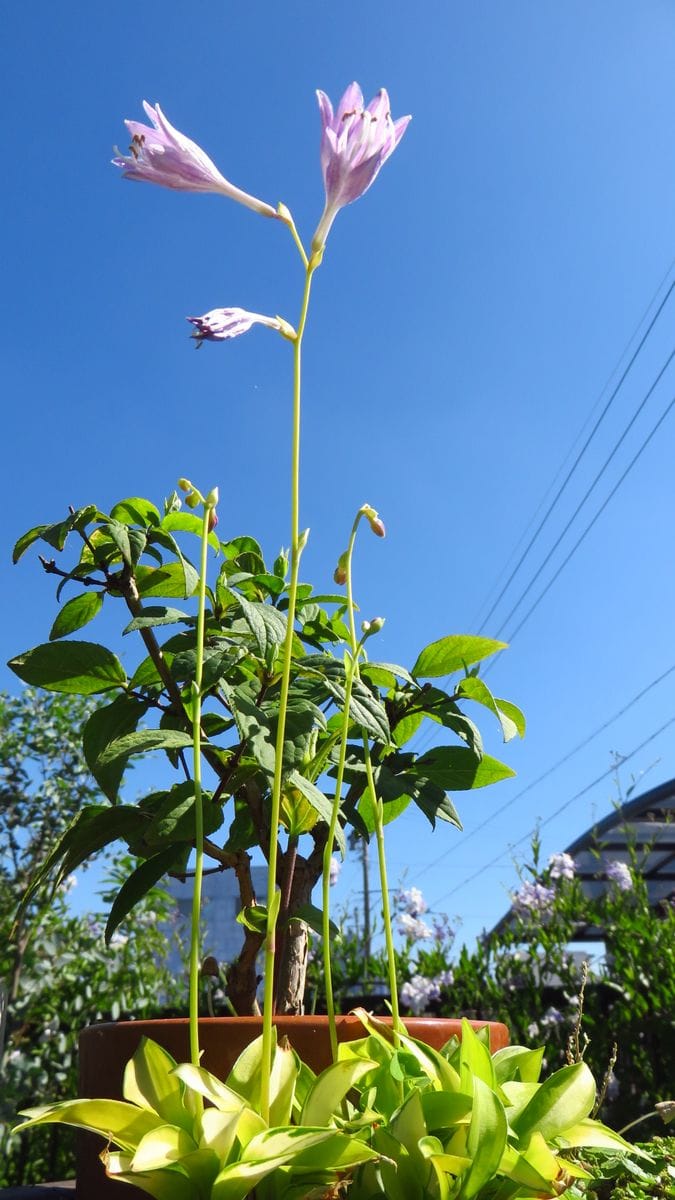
(355, 142)
(161, 154)
(222, 323)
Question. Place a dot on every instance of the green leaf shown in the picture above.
(475, 1061)
(150, 1082)
(161, 1147)
(190, 575)
(436, 805)
(330, 1088)
(486, 1139)
(105, 725)
(456, 768)
(76, 613)
(406, 728)
(138, 884)
(130, 542)
(135, 511)
(266, 623)
(563, 1100)
(157, 614)
(391, 810)
(253, 917)
(513, 713)
(384, 674)
(171, 581)
(474, 688)
(142, 741)
(114, 1120)
(517, 1063)
(313, 917)
(80, 668)
(454, 653)
(27, 540)
(320, 803)
(184, 522)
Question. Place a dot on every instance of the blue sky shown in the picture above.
(467, 316)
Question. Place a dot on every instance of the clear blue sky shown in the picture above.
(468, 313)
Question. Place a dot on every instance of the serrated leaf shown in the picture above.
(455, 768)
(75, 668)
(135, 511)
(172, 581)
(104, 726)
(143, 741)
(157, 614)
(454, 653)
(26, 540)
(75, 614)
(267, 624)
(138, 884)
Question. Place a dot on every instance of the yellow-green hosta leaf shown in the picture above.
(282, 1084)
(150, 1082)
(516, 1097)
(475, 1061)
(565, 1098)
(444, 1110)
(517, 1063)
(116, 1121)
(219, 1130)
(202, 1081)
(595, 1134)
(330, 1088)
(161, 1147)
(485, 1141)
(163, 1185)
(431, 1062)
(535, 1168)
(264, 1154)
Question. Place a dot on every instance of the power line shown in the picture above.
(550, 771)
(581, 453)
(588, 492)
(624, 759)
(591, 523)
(602, 392)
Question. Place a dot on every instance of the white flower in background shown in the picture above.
(418, 992)
(411, 901)
(533, 1030)
(444, 979)
(562, 866)
(68, 883)
(412, 928)
(552, 1016)
(50, 1030)
(335, 868)
(533, 899)
(118, 940)
(613, 1086)
(619, 873)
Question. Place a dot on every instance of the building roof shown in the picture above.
(644, 826)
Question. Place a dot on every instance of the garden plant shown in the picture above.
(286, 734)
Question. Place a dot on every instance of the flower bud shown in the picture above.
(376, 624)
(340, 572)
(192, 499)
(375, 522)
(365, 627)
(212, 498)
(302, 540)
(184, 484)
(213, 520)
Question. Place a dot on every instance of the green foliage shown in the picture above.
(621, 1177)
(170, 1146)
(54, 967)
(134, 555)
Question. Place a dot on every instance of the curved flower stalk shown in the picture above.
(160, 153)
(355, 142)
(222, 323)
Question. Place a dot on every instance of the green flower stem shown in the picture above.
(327, 852)
(296, 549)
(378, 812)
(199, 808)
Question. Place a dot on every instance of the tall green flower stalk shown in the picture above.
(344, 574)
(297, 545)
(209, 507)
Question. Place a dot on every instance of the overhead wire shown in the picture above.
(552, 816)
(552, 769)
(589, 491)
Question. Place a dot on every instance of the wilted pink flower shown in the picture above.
(222, 323)
(161, 154)
(355, 141)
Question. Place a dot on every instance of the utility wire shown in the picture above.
(556, 766)
(588, 492)
(603, 390)
(591, 523)
(581, 453)
(577, 796)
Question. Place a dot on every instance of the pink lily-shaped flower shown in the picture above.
(355, 141)
(222, 323)
(161, 154)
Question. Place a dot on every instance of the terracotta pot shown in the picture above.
(105, 1050)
